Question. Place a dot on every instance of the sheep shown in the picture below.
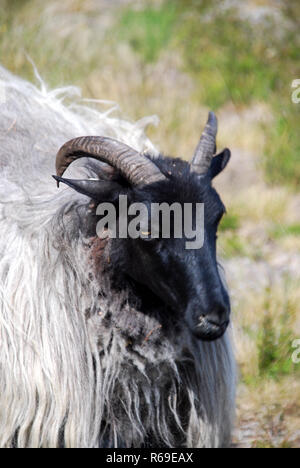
(105, 342)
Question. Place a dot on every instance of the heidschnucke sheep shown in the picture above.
(105, 342)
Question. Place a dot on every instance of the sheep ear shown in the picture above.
(219, 163)
(96, 189)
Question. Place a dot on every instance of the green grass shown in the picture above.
(226, 61)
(230, 222)
(232, 245)
(280, 231)
(231, 61)
(23, 34)
(148, 31)
(275, 340)
(282, 156)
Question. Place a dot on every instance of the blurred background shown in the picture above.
(178, 59)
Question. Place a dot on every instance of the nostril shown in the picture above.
(211, 326)
(219, 315)
(214, 322)
(220, 324)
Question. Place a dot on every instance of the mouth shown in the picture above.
(206, 330)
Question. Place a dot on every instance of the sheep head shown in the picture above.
(185, 281)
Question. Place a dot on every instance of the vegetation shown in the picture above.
(289, 230)
(275, 338)
(148, 31)
(231, 61)
(230, 222)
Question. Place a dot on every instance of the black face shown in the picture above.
(187, 281)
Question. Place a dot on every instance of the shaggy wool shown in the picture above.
(79, 365)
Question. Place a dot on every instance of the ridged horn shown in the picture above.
(135, 167)
(206, 147)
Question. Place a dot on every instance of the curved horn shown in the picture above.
(206, 147)
(135, 167)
